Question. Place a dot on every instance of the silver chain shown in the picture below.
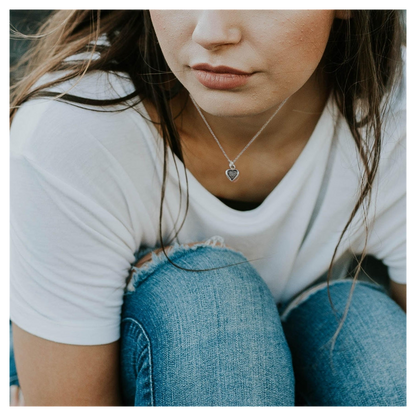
(232, 166)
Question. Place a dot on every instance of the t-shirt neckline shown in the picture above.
(300, 170)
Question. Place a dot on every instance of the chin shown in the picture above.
(234, 106)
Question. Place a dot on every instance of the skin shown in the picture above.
(282, 44)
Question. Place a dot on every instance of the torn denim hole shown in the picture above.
(139, 274)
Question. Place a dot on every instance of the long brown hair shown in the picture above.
(361, 64)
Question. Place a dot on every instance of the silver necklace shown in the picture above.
(232, 173)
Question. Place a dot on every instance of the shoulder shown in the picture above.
(403, 92)
(46, 128)
(390, 154)
(400, 97)
(393, 129)
(393, 115)
(389, 190)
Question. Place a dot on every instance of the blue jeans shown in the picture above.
(11, 374)
(216, 338)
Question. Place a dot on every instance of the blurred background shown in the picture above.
(27, 20)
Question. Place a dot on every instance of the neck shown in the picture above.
(298, 116)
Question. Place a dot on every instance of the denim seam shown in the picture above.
(293, 305)
(150, 356)
(175, 252)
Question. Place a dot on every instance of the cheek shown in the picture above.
(171, 29)
(310, 33)
(300, 44)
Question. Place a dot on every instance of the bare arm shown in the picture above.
(398, 293)
(54, 374)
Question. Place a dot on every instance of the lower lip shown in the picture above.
(220, 81)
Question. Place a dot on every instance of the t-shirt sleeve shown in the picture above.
(72, 236)
(387, 238)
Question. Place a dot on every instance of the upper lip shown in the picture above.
(221, 69)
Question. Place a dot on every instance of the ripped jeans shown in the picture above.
(216, 338)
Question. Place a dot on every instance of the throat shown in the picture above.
(242, 187)
(246, 184)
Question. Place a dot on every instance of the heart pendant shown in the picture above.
(232, 174)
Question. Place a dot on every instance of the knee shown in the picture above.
(365, 364)
(179, 307)
(229, 283)
(369, 310)
(201, 324)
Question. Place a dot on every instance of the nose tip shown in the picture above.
(215, 29)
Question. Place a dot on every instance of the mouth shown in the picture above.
(221, 69)
(220, 77)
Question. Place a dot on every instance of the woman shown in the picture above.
(276, 139)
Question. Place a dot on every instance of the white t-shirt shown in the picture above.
(85, 194)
